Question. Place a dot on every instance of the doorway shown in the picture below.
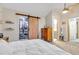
(28, 27)
(54, 30)
(23, 27)
(74, 29)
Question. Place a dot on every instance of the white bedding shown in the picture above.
(31, 47)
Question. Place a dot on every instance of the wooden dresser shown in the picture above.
(46, 34)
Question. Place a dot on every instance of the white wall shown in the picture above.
(41, 25)
(1, 20)
(50, 22)
(8, 14)
(49, 19)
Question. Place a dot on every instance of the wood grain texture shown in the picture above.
(33, 28)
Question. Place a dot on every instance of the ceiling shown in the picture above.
(35, 9)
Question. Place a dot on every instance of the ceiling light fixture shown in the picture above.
(65, 10)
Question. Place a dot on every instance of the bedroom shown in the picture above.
(46, 15)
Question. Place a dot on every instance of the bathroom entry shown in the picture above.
(74, 29)
(23, 27)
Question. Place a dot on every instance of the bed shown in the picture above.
(30, 47)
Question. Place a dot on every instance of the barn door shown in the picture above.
(33, 28)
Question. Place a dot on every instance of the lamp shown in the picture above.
(65, 10)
